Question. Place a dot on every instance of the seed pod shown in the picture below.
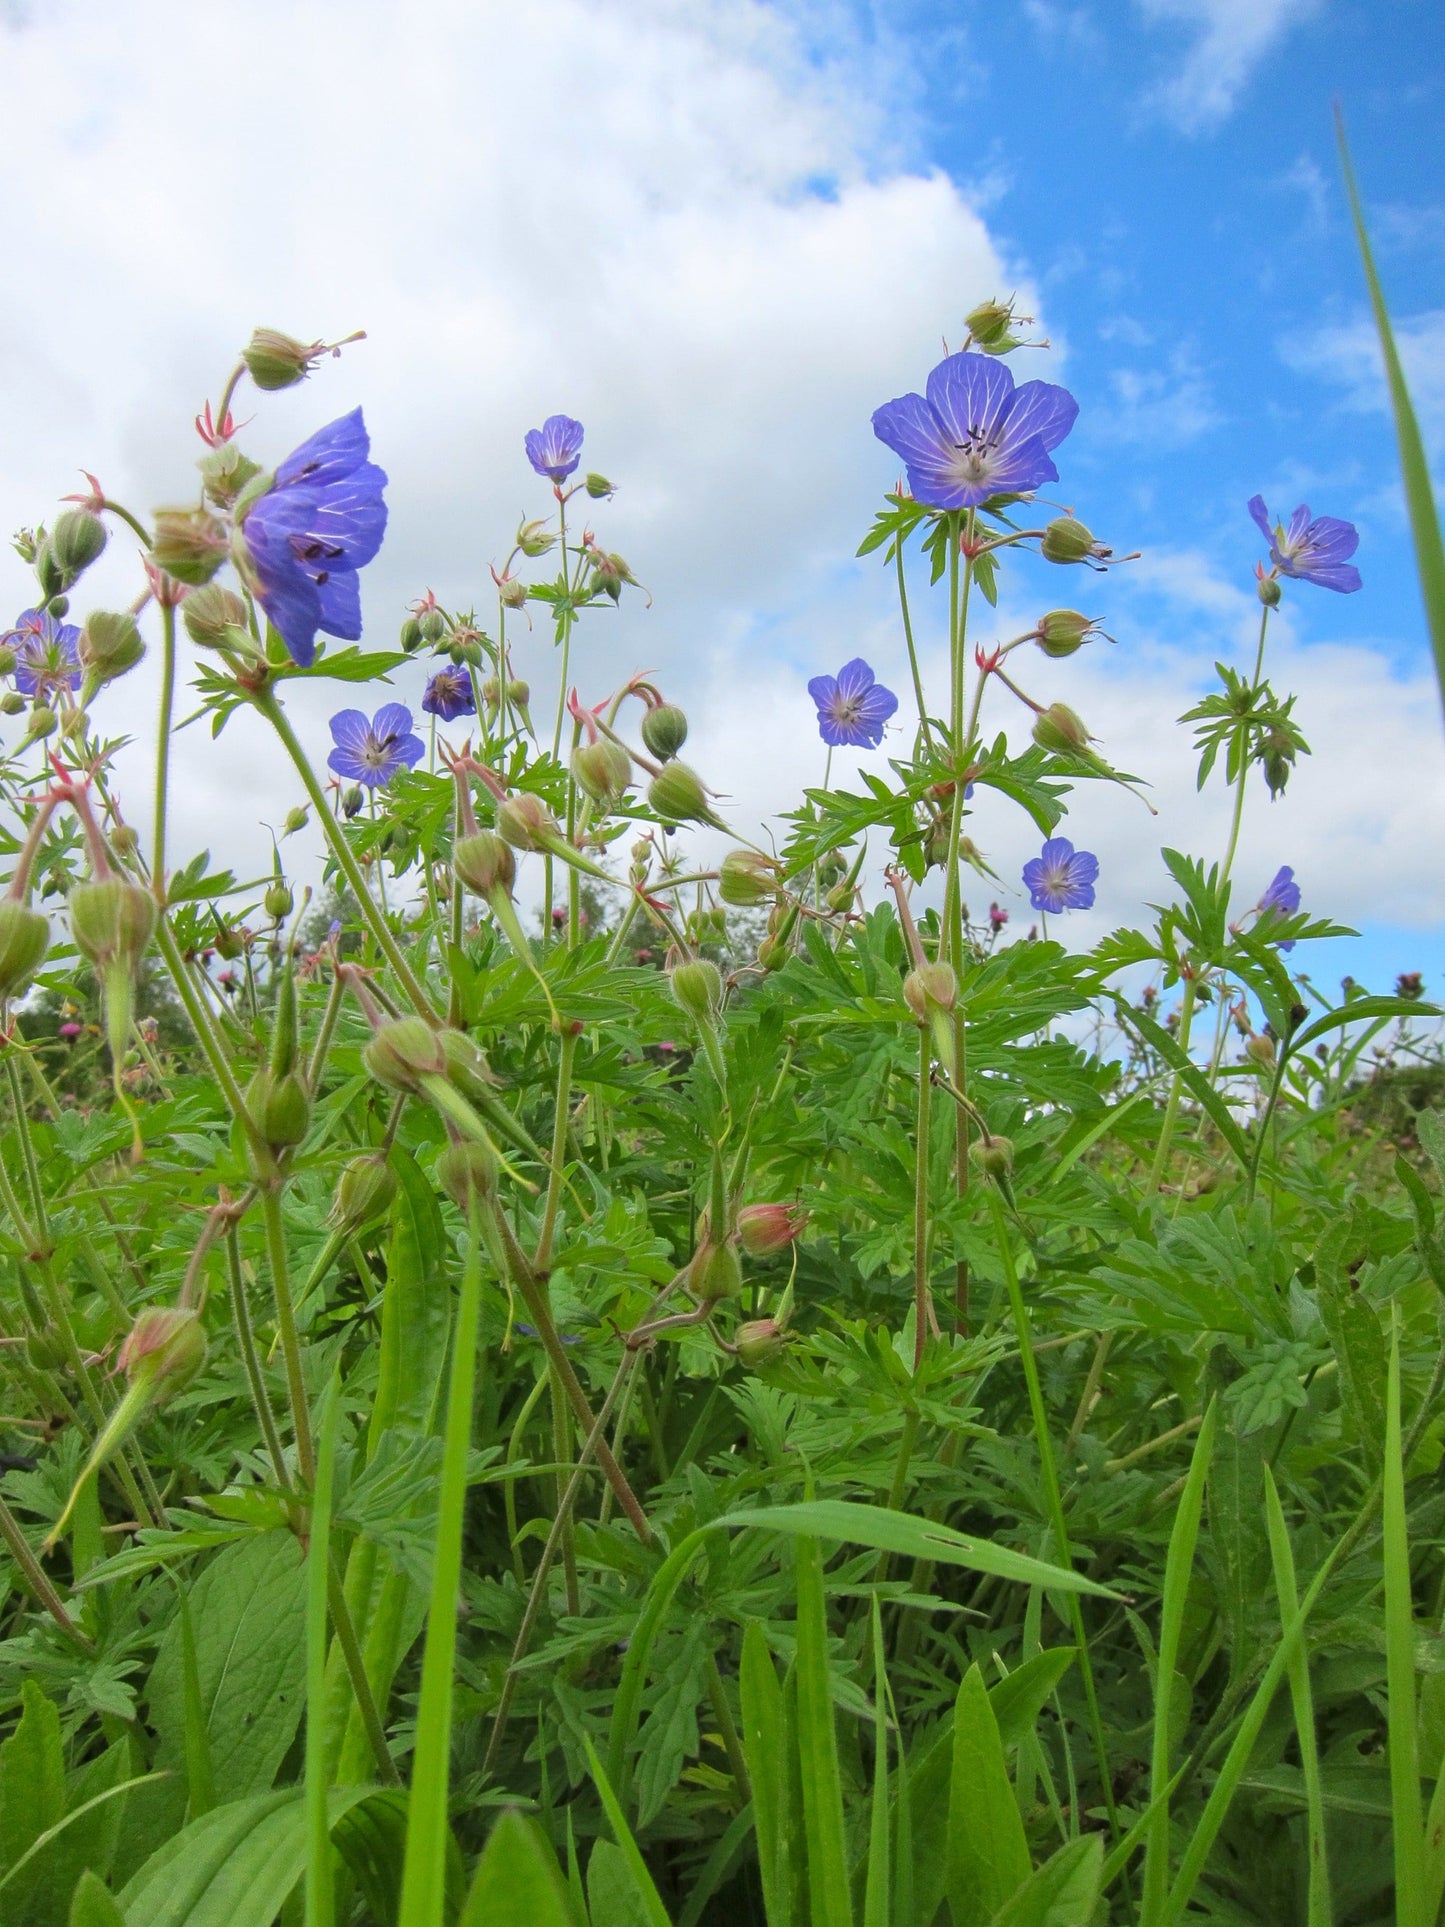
(678, 796)
(1260, 1050)
(278, 901)
(1062, 631)
(166, 1345)
(280, 1106)
(189, 544)
(215, 618)
(76, 540)
(466, 1170)
(747, 878)
(483, 863)
(759, 1342)
(598, 487)
(525, 822)
(433, 625)
(364, 1191)
(225, 471)
(715, 1272)
(24, 940)
(42, 722)
(994, 1156)
(664, 730)
(1268, 590)
(989, 324)
(1062, 730)
(697, 988)
(274, 360)
(602, 771)
(467, 1066)
(1066, 540)
(404, 1051)
(411, 635)
(111, 920)
(110, 643)
(932, 986)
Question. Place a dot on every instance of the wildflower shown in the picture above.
(372, 752)
(1410, 985)
(852, 707)
(1061, 877)
(555, 448)
(1315, 551)
(997, 917)
(975, 434)
(304, 540)
(47, 653)
(449, 695)
(1282, 898)
(70, 1032)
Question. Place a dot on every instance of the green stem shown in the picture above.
(211, 1045)
(1171, 1108)
(1244, 760)
(920, 1202)
(559, 1152)
(286, 1321)
(345, 1630)
(246, 1343)
(163, 745)
(35, 1577)
(912, 651)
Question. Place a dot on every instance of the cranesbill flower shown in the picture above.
(555, 448)
(1282, 897)
(852, 707)
(449, 695)
(47, 654)
(322, 519)
(1061, 877)
(1315, 551)
(974, 434)
(372, 752)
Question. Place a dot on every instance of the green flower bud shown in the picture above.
(229, 942)
(467, 1066)
(274, 360)
(483, 862)
(433, 625)
(994, 1156)
(278, 900)
(759, 1342)
(525, 822)
(602, 771)
(296, 819)
(59, 605)
(1267, 588)
(46, 1350)
(1066, 540)
(533, 539)
(598, 487)
(1260, 1050)
(747, 878)
(467, 1170)
(678, 796)
(225, 471)
(75, 723)
(411, 635)
(189, 544)
(109, 645)
(403, 1052)
(351, 801)
(24, 940)
(364, 1191)
(166, 1344)
(281, 1107)
(1062, 631)
(76, 540)
(716, 1272)
(215, 618)
(664, 730)
(42, 722)
(932, 986)
(12, 702)
(773, 952)
(124, 840)
(697, 988)
(512, 592)
(7, 660)
(989, 324)
(111, 920)
(1060, 729)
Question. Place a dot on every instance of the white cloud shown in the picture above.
(1160, 408)
(1229, 40)
(1347, 355)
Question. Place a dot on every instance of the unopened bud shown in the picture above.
(351, 801)
(403, 1052)
(989, 324)
(483, 862)
(274, 360)
(525, 822)
(280, 1107)
(364, 1191)
(1062, 631)
(697, 988)
(1066, 540)
(766, 1228)
(1268, 590)
(109, 644)
(664, 730)
(932, 986)
(278, 901)
(189, 544)
(994, 1156)
(7, 660)
(42, 722)
(602, 771)
(533, 539)
(598, 487)
(12, 702)
(467, 1066)
(773, 952)
(167, 1344)
(759, 1342)
(124, 840)
(76, 540)
(433, 625)
(467, 1170)
(678, 796)
(747, 878)
(411, 637)
(296, 819)
(512, 592)
(1060, 729)
(24, 940)
(111, 920)
(715, 1272)
(1260, 1049)
(216, 618)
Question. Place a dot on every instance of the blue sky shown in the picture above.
(720, 232)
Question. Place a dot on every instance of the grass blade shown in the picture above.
(1320, 1910)
(1408, 1830)
(423, 1889)
(320, 1887)
(641, 1879)
(200, 1779)
(765, 1742)
(875, 1892)
(988, 1853)
(518, 1879)
(1178, 1570)
(829, 1892)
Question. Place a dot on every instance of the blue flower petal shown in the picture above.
(350, 729)
(1041, 408)
(971, 395)
(1261, 517)
(854, 678)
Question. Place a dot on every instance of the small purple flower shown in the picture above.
(449, 695)
(372, 752)
(1317, 551)
(852, 707)
(555, 448)
(1061, 877)
(1282, 898)
(322, 520)
(47, 654)
(974, 434)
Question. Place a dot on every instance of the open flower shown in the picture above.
(974, 434)
(304, 540)
(372, 752)
(449, 695)
(47, 654)
(1061, 877)
(555, 448)
(852, 707)
(1315, 551)
(1282, 897)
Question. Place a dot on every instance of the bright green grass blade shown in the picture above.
(1414, 465)
(829, 1893)
(717, 1867)
(91, 1905)
(1178, 1570)
(905, 1906)
(876, 1885)
(1408, 1829)
(200, 1780)
(1320, 1911)
(631, 1853)
(988, 1853)
(320, 1886)
(765, 1744)
(1062, 1892)
(518, 1879)
(423, 1888)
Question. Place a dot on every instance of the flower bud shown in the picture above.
(165, 1343)
(433, 625)
(678, 796)
(7, 660)
(747, 878)
(278, 900)
(1060, 729)
(189, 544)
(759, 1342)
(1260, 1050)
(1062, 631)
(124, 840)
(1268, 590)
(230, 943)
(483, 862)
(1066, 540)
(664, 730)
(274, 360)
(598, 487)
(932, 986)
(766, 1228)
(280, 1106)
(364, 1191)
(351, 801)
(525, 822)
(24, 940)
(111, 920)
(533, 539)
(774, 952)
(45, 1350)
(467, 1066)
(225, 471)
(715, 1272)
(467, 1170)
(994, 1156)
(76, 540)
(215, 618)
(42, 722)
(296, 819)
(404, 1051)
(696, 987)
(11, 703)
(602, 771)
(512, 592)
(109, 645)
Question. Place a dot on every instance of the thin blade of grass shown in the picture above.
(641, 1879)
(1320, 1911)
(320, 1885)
(829, 1894)
(200, 1780)
(518, 1879)
(988, 1853)
(1403, 1741)
(877, 1883)
(765, 1743)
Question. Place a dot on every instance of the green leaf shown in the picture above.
(1360, 1010)
(32, 1778)
(654, 1913)
(350, 665)
(988, 1854)
(320, 1884)
(200, 1780)
(1407, 1832)
(876, 1895)
(1320, 1910)
(1195, 1081)
(1064, 1892)
(518, 1879)
(92, 1905)
(767, 1746)
(1355, 1337)
(1019, 1698)
(829, 1892)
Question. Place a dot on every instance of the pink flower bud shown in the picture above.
(765, 1228)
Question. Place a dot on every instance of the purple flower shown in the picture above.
(975, 434)
(1061, 877)
(449, 695)
(852, 707)
(47, 654)
(555, 448)
(372, 752)
(321, 521)
(1282, 897)
(1317, 551)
